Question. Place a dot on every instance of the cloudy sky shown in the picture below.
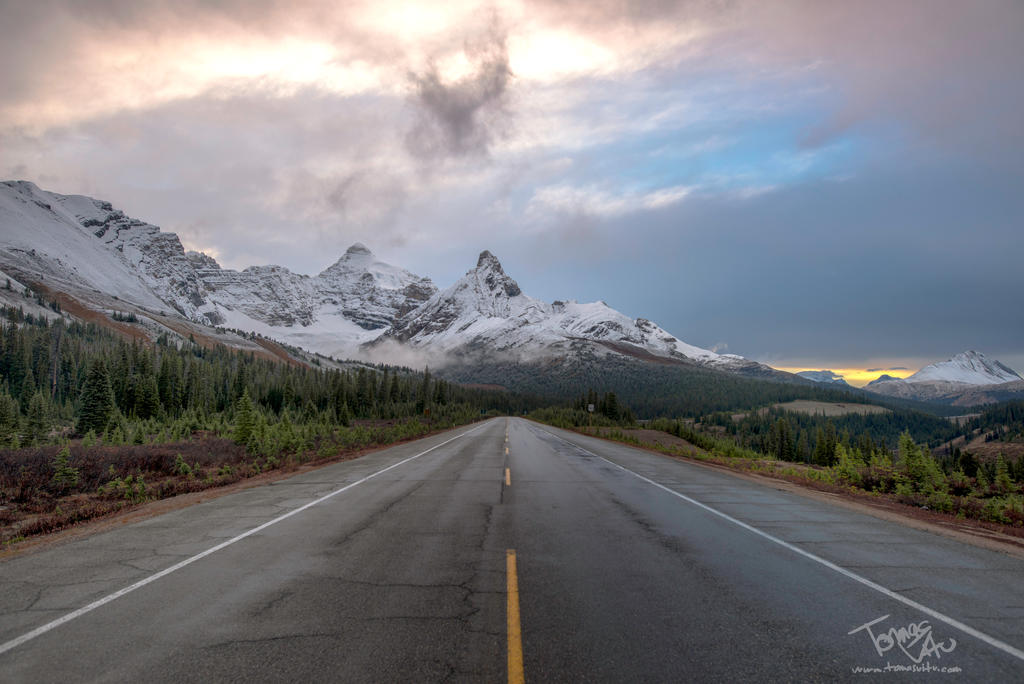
(810, 184)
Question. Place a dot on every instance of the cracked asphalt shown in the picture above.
(403, 578)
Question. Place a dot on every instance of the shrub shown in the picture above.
(848, 465)
(181, 467)
(131, 489)
(65, 476)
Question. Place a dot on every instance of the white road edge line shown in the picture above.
(952, 622)
(38, 631)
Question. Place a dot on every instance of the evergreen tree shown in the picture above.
(38, 422)
(97, 400)
(982, 481)
(364, 394)
(64, 475)
(1002, 480)
(9, 414)
(423, 398)
(385, 386)
(344, 415)
(245, 418)
(28, 389)
(240, 383)
(611, 406)
(147, 398)
(441, 393)
(919, 465)
(396, 389)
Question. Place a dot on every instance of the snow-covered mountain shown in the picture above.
(96, 253)
(359, 305)
(824, 376)
(351, 302)
(486, 310)
(970, 367)
(967, 377)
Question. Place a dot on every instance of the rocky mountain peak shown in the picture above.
(824, 376)
(969, 367)
(202, 260)
(489, 270)
(358, 249)
(356, 258)
(489, 261)
(89, 249)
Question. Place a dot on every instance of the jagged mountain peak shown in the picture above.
(359, 263)
(492, 277)
(358, 249)
(202, 260)
(486, 310)
(970, 367)
(488, 260)
(356, 257)
(93, 251)
(823, 376)
(966, 379)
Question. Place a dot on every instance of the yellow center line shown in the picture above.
(508, 477)
(515, 636)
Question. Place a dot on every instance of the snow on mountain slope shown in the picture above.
(969, 367)
(824, 376)
(370, 292)
(95, 252)
(487, 310)
(349, 303)
(86, 246)
(41, 237)
(485, 305)
(964, 379)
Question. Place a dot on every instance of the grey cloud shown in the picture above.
(364, 199)
(292, 180)
(600, 15)
(926, 65)
(51, 37)
(918, 66)
(905, 262)
(462, 118)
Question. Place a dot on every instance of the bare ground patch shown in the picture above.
(828, 408)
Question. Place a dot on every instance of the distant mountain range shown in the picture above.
(967, 379)
(103, 261)
(824, 376)
(358, 307)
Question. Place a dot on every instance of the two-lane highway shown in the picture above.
(403, 566)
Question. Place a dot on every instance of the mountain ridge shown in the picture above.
(967, 379)
(356, 306)
(824, 376)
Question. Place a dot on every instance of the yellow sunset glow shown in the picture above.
(858, 377)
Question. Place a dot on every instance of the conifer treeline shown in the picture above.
(59, 379)
(812, 438)
(650, 390)
(1003, 422)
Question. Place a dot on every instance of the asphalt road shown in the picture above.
(399, 567)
